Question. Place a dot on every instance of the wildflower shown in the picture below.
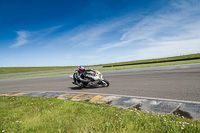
(3, 131)
(182, 128)
(116, 114)
(186, 123)
(17, 121)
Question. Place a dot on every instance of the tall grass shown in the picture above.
(31, 114)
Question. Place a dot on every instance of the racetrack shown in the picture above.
(181, 82)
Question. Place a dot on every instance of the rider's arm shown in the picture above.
(79, 77)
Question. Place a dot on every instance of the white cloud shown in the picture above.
(89, 57)
(168, 49)
(90, 34)
(178, 22)
(161, 49)
(26, 37)
(21, 39)
(118, 44)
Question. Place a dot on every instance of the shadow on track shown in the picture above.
(78, 88)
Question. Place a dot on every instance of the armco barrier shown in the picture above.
(186, 109)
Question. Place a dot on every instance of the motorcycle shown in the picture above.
(94, 77)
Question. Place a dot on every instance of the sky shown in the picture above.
(91, 32)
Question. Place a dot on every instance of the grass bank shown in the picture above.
(8, 70)
(150, 65)
(48, 115)
(191, 56)
(36, 75)
(110, 68)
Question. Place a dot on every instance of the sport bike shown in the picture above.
(94, 78)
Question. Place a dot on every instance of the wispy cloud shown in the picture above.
(26, 37)
(172, 30)
(178, 22)
(162, 49)
(21, 39)
(92, 33)
(89, 57)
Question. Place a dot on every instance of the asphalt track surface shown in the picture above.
(180, 82)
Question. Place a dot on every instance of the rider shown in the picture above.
(81, 75)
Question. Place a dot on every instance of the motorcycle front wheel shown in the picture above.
(105, 83)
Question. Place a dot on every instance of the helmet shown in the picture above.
(81, 68)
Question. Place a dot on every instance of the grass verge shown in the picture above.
(150, 65)
(36, 75)
(8, 70)
(32, 114)
(157, 60)
(110, 68)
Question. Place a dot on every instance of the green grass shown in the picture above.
(4, 70)
(150, 65)
(110, 68)
(36, 75)
(50, 115)
(8, 70)
(159, 59)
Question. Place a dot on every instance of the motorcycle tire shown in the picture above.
(74, 77)
(107, 83)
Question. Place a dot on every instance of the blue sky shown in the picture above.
(85, 32)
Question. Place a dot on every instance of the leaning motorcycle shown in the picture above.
(94, 77)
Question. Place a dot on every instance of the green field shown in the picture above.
(109, 68)
(157, 60)
(9, 70)
(50, 115)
